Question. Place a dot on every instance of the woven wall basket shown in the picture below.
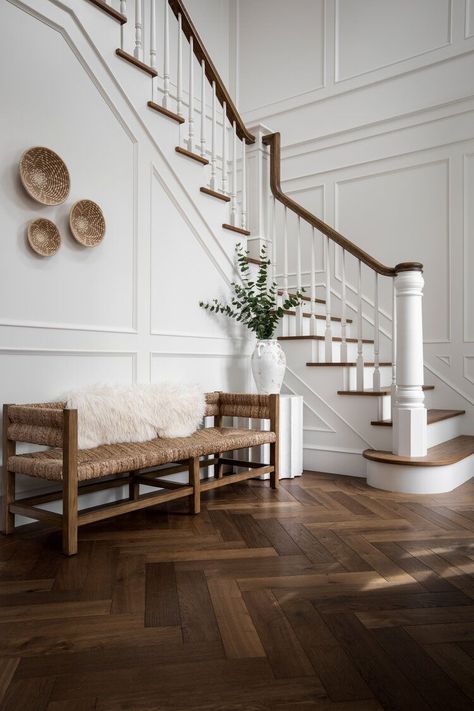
(44, 176)
(44, 237)
(87, 223)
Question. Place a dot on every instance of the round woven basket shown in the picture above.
(44, 237)
(45, 176)
(87, 223)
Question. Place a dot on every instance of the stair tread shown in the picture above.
(115, 14)
(434, 415)
(216, 194)
(240, 230)
(190, 154)
(375, 393)
(320, 317)
(348, 364)
(338, 339)
(166, 112)
(136, 62)
(305, 298)
(449, 452)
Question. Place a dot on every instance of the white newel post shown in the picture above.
(409, 412)
(258, 191)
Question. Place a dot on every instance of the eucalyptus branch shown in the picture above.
(254, 303)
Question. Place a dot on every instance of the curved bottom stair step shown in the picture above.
(434, 415)
(450, 452)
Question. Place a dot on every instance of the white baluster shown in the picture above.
(274, 241)
(153, 41)
(328, 332)
(179, 74)
(409, 412)
(299, 310)
(203, 108)
(224, 147)
(394, 344)
(343, 308)
(213, 183)
(376, 380)
(123, 10)
(360, 352)
(233, 196)
(166, 58)
(191, 96)
(138, 51)
(243, 216)
(313, 283)
(285, 255)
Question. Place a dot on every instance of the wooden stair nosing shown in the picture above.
(115, 14)
(376, 393)
(193, 156)
(240, 231)
(215, 194)
(444, 454)
(320, 317)
(136, 62)
(305, 298)
(433, 415)
(165, 112)
(338, 339)
(347, 364)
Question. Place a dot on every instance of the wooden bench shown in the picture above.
(91, 470)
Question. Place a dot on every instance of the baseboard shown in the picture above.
(332, 461)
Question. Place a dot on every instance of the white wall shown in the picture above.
(375, 103)
(126, 310)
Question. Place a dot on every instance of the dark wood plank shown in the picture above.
(250, 531)
(386, 681)
(329, 660)
(287, 657)
(198, 620)
(161, 596)
(426, 676)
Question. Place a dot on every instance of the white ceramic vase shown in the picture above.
(268, 366)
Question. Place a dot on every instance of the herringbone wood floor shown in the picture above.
(323, 595)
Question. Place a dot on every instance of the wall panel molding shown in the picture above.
(407, 58)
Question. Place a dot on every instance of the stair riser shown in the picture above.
(289, 327)
(314, 351)
(437, 433)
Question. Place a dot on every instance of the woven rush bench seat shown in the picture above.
(134, 464)
(111, 459)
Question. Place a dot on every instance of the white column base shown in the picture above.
(410, 431)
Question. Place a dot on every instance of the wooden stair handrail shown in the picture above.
(273, 141)
(212, 74)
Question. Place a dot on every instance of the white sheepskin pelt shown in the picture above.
(108, 414)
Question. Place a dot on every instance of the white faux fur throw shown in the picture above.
(108, 414)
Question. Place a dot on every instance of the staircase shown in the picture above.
(355, 348)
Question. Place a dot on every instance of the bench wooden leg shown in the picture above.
(195, 482)
(218, 467)
(133, 487)
(275, 447)
(9, 449)
(70, 484)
